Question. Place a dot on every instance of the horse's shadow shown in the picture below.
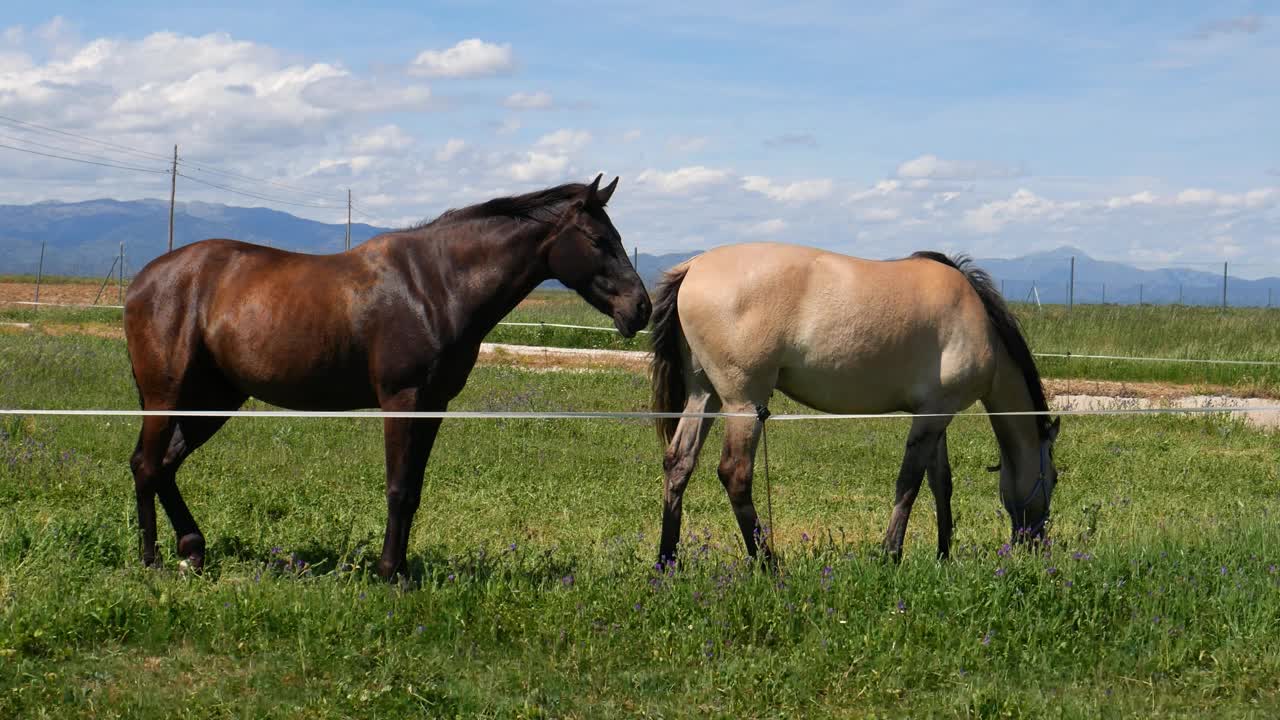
(432, 567)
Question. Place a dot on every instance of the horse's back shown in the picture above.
(838, 333)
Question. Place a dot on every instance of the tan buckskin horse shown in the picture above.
(926, 335)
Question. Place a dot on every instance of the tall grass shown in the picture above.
(532, 591)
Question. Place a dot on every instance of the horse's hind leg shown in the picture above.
(922, 443)
(678, 464)
(163, 444)
(147, 464)
(737, 466)
(939, 473)
(191, 433)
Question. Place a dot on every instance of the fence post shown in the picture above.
(1224, 285)
(173, 194)
(120, 287)
(1071, 289)
(1179, 293)
(39, 274)
(1139, 294)
(106, 280)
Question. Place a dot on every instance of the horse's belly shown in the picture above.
(835, 391)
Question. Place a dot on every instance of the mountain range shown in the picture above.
(83, 239)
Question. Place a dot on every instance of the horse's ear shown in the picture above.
(593, 191)
(604, 195)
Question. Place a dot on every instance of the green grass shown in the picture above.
(1148, 331)
(532, 592)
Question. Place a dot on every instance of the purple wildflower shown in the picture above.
(986, 639)
(420, 629)
(902, 606)
(1000, 572)
(1222, 570)
(1004, 550)
(567, 581)
(1051, 570)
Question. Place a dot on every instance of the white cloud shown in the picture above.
(529, 101)
(879, 214)
(1021, 207)
(688, 143)
(796, 192)
(470, 58)
(563, 141)
(537, 167)
(881, 189)
(450, 150)
(682, 179)
(1146, 197)
(765, 228)
(631, 136)
(1260, 197)
(932, 167)
(510, 125)
(384, 140)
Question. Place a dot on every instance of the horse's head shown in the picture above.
(1028, 503)
(587, 255)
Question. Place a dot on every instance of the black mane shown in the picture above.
(540, 206)
(1006, 325)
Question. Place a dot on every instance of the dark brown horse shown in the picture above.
(394, 323)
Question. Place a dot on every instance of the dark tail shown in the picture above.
(666, 338)
(1005, 323)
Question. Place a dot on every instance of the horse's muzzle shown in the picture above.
(631, 320)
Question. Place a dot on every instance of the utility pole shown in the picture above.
(1071, 289)
(348, 218)
(173, 193)
(1224, 285)
(40, 276)
(120, 287)
(1104, 293)
(1139, 294)
(1179, 293)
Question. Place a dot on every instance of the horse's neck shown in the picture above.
(492, 270)
(1018, 435)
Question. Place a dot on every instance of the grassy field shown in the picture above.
(532, 593)
(1147, 331)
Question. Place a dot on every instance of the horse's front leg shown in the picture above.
(940, 483)
(922, 442)
(408, 445)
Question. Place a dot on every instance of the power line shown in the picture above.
(246, 178)
(116, 146)
(87, 162)
(59, 148)
(257, 196)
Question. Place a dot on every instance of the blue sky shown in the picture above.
(1136, 131)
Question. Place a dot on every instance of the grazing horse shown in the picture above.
(394, 323)
(925, 335)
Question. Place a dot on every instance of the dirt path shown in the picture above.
(70, 293)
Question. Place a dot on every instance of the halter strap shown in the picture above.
(1038, 487)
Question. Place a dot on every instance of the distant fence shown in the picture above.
(1046, 281)
(1084, 281)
